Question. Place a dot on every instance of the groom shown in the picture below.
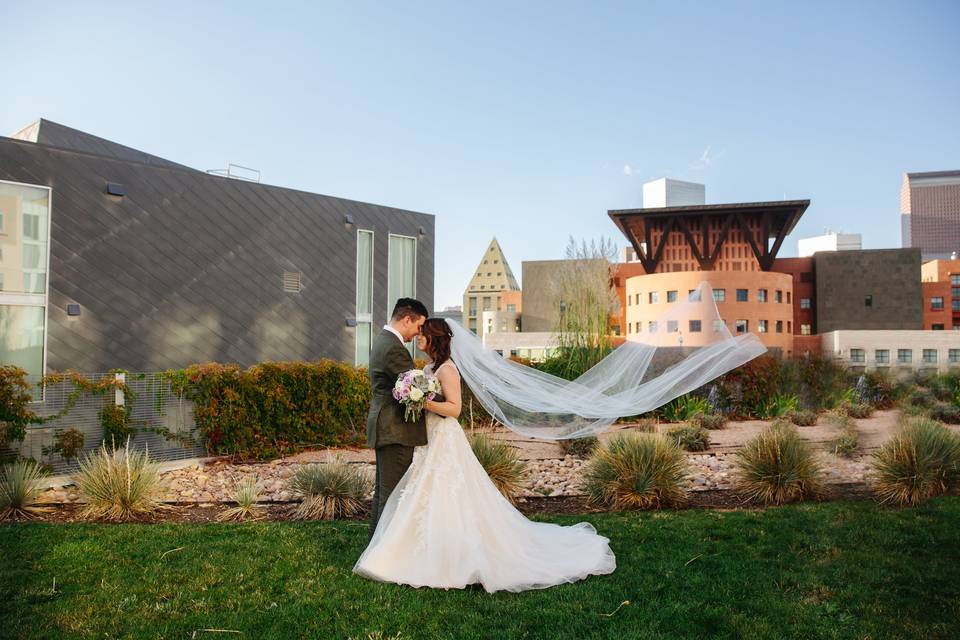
(387, 433)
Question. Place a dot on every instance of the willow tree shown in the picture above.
(585, 298)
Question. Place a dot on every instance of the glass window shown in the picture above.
(761, 326)
(778, 295)
(652, 326)
(636, 299)
(955, 305)
(741, 295)
(868, 300)
(779, 326)
(937, 327)
(857, 355)
(21, 337)
(402, 272)
(671, 296)
(693, 295)
(804, 329)
(955, 278)
(654, 297)
(788, 297)
(512, 308)
(953, 355)
(904, 356)
(486, 303)
(364, 334)
(761, 295)
(882, 356)
(638, 328)
(694, 326)
(720, 295)
(629, 300)
(672, 326)
(930, 356)
(955, 292)
(718, 326)
(741, 326)
(936, 303)
(804, 303)
(30, 206)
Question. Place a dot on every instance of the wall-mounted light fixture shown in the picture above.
(115, 189)
(423, 232)
(73, 309)
(351, 322)
(348, 221)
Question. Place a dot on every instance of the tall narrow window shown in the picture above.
(24, 240)
(364, 296)
(402, 272)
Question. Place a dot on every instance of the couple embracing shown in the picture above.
(438, 520)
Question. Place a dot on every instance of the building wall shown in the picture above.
(930, 203)
(801, 270)
(188, 267)
(890, 276)
(539, 295)
(806, 247)
(946, 345)
(492, 279)
(640, 311)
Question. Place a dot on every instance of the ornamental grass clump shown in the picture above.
(803, 417)
(710, 421)
(690, 437)
(247, 496)
(920, 461)
(777, 467)
(636, 471)
(330, 490)
(502, 463)
(118, 484)
(21, 484)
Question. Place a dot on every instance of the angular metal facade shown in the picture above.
(187, 267)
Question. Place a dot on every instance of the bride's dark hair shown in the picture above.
(438, 336)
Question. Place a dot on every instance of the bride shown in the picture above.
(447, 526)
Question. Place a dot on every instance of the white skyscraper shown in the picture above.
(667, 192)
(830, 241)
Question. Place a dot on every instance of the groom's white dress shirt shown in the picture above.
(394, 332)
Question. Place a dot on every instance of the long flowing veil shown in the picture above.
(634, 378)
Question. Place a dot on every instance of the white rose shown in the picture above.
(416, 395)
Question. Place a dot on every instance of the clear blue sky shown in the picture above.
(521, 120)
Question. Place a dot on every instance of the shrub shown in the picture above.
(68, 444)
(115, 421)
(246, 494)
(777, 466)
(946, 412)
(880, 389)
(330, 490)
(709, 421)
(647, 425)
(690, 438)
(777, 406)
(502, 463)
(859, 410)
(15, 414)
(846, 444)
(118, 484)
(683, 408)
(21, 484)
(636, 471)
(920, 461)
(803, 417)
(278, 407)
(579, 447)
(921, 397)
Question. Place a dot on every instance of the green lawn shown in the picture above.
(835, 570)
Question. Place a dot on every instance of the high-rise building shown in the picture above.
(491, 280)
(830, 241)
(667, 192)
(930, 213)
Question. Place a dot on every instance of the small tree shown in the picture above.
(585, 298)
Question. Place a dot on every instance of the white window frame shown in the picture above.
(416, 248)
(36, 299)
(366, 317)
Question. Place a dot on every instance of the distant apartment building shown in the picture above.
(488, 291)
(941, 295)
(830, 241)
(667, 192)
(930, 213)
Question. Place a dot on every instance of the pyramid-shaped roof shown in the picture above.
(493, 273)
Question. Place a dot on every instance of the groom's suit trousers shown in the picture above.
(393, 460)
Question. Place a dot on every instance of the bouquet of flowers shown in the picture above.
(412, 390)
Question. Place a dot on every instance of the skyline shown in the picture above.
(521, 123)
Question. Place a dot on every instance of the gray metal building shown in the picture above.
(113, 258)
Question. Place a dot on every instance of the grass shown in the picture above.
(828, 570)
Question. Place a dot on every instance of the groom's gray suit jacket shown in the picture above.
(385, 423)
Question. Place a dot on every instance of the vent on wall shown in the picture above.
(291, 281)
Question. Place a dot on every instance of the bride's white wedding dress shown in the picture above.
(447, 526)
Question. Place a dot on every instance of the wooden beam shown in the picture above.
(667, 228)
(781, 235)
(724, 230)
(749, 235)
(685, 230)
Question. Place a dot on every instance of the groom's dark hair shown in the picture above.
(408, 308)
